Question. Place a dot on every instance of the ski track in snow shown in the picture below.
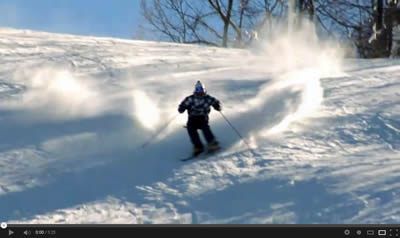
(75, 110)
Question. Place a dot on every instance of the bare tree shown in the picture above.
(348, 19)
(212, 22)
(367, 23)
(234, 22)
(225, 14)
(177, 20)
(188, 21)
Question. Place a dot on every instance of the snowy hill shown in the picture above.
(75, 111)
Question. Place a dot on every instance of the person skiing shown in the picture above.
(198, 106)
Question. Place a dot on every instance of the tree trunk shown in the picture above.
(227, 21)
(311, 10)
(379, 15)
(389, 30)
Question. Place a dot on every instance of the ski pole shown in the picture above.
(237, 132)
(159, 131)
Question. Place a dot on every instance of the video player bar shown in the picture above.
(309, 231)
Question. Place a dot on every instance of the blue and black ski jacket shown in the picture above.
(199, 105)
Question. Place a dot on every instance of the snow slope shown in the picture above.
(75, 112)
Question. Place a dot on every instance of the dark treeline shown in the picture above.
(365, 24)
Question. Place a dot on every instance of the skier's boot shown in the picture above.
(197, 150)
(213, 146)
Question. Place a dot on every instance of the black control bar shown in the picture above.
(309, 231)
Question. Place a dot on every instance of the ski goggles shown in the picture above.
(199, 89)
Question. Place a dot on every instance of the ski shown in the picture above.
(202, 155)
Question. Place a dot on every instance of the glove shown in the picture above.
(181, 110)
(217, 107)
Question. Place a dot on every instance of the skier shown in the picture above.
(198, 106)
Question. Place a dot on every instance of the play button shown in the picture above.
(10, 232)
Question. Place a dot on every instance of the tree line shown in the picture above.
(366, 24)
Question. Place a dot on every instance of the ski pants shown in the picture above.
(199, 122)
